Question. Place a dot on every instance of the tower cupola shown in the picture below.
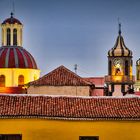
(11, 32)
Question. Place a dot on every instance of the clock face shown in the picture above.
(117, 62)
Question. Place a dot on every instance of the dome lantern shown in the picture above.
(11, 32)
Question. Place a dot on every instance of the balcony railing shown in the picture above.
(119, 79)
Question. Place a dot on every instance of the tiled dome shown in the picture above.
(119, 49)
(16, 57)
(11, 20)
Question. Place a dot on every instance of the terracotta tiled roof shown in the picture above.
(61, 76)
(62, 107)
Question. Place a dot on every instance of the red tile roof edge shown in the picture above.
(69, 108)
(69, 119)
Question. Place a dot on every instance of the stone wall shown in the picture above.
(59, 90)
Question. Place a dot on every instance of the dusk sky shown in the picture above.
(68, 32)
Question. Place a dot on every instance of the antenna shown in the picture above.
(13, 7)
(75, 68)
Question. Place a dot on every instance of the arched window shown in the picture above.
(15, 37)
(20, 35)
(126, 67)
(20, 80)
(8, 36)
(110, 68)
(2, 81)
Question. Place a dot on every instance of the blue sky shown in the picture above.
(68, 32)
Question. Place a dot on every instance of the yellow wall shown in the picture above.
(12, 74)
(59, 90)
(43, 129)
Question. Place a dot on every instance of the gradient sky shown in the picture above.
(68, 32)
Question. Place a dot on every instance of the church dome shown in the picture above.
(11, 20)
(16, 57)
(119, 48)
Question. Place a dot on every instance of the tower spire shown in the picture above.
(119, 24)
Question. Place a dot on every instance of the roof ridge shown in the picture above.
(58, 69)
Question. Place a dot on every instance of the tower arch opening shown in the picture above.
(15, 37)
(8, 36)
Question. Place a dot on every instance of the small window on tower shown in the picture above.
(20, 80)
(8, 37)
(138, 75)
(126, 67)
(15, 37)
(110, 68)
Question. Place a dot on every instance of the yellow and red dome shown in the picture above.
(16, 57)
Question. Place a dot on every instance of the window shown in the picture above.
(20, 36)
(126, 67)
(88, 138)
(15, 37)
(11, 137)
(110, 69)
(20, 80)
(2, 81)
(138, 75)
(8, 36)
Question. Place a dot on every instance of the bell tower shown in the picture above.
(119, 79)
(12, 32)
